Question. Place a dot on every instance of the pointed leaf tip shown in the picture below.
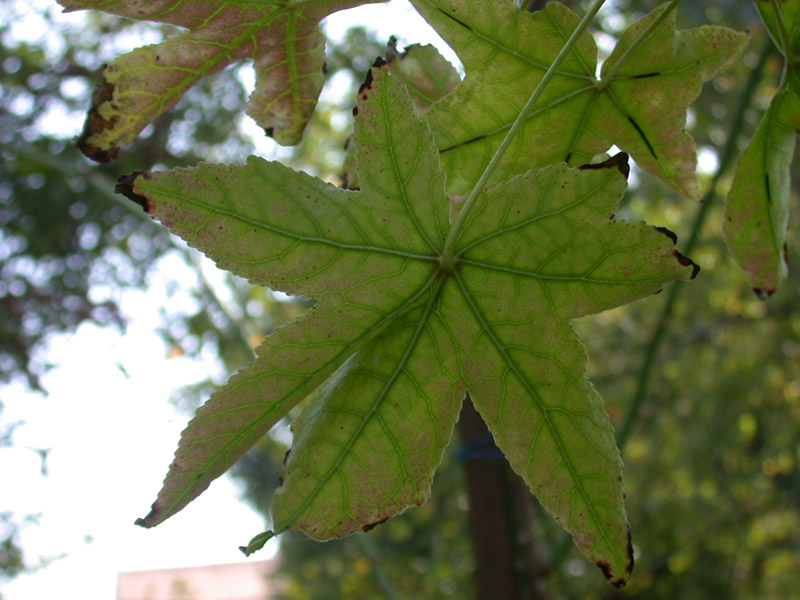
(608, 573)
(257, 543)
(151, 520)
(638, 104)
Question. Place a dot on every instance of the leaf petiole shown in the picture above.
(447, 259)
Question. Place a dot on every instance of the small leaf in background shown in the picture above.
(757, 207)
(399, 336)
(282, 38)
(639, 103)
(426, 73)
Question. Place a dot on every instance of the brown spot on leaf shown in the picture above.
(464, 25)
(764, 293)
(687, 262)
(367, 85)
(605, 568)
(103, 93)
(269, 131)
(371, 526)
(644, 137)
(668, 233)
(125, 187)
(149, 520)
(618, 161)
(629, 548)
(617, 582)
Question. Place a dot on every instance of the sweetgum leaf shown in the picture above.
(398, 336)
(757, 206)
(640, 106)
(425, 72)
(282, 37)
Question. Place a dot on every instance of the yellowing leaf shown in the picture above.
(638, 103)
(426, 73)
(400, 333)
(427, 76)
(281, 36)
(757, 206)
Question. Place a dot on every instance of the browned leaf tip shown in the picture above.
(371, 526)
(125, 187)
(617, 582)
(391, 50)
(629, 567)
(687, 262)
(96, 124)
(764, 293)
(149, 520)
(618, 161)
(367, 85)
(683, 260)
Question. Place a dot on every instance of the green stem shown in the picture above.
(639, 41)
(448, 255)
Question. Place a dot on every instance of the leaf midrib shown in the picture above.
(344, 246)
(345, 450)
(508, 50)
(487, 329)
(348, 351)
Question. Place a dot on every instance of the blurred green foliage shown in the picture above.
(713, 462)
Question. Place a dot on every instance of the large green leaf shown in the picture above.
(281, 36)
(399, 335)
(638, 103)
(757, 206)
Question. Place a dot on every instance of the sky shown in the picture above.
(107, 419)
